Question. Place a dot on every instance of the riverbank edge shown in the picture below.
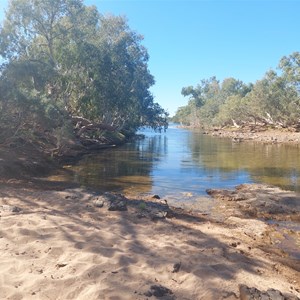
(27, 161)
(254, 134)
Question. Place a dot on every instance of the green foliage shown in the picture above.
(63, 58)
(143, 206)
(183, 115)
(273, 100)
(290, 65)
(233, 108)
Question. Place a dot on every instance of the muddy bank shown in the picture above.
(75, 244)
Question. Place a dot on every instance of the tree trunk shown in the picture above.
(235, 124)
(84, 125)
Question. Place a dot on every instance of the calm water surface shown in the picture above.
(181, 164)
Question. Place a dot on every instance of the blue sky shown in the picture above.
(189, 40)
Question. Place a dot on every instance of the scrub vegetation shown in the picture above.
(273, 101)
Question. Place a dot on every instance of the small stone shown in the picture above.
(98, 203)
(176, 267)
(61, 265)
(158, 291)
(11, 208)
(72, 197)
(161, 214)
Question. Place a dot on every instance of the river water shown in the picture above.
(181, 164)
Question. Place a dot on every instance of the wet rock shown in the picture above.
(159, 291)
(220, 194)
(226, 195)
(237, 139)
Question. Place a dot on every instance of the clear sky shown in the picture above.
(189, 40)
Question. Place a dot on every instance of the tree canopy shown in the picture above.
(65, 66)
(274, 100)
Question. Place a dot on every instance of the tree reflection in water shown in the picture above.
(183, 164)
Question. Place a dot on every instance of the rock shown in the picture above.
(237, 139)
(275, 295)
(247, 293)
(176, 267)
(72, 197)
(155, 197)
(117, 206)
(158, 291)
(158, 215)
(221, 194)
(115, 202)
(161, 214)
(60, 265)
(98, 203)
(11, 208)
(226, 195)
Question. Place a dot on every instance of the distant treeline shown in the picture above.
(274, 100)
(66, 71)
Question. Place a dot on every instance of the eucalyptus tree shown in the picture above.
(232, 112)
(73, 62)
(200, 99)
(274, 101)
(29, 37)
(119, 79)
(208, 97)
(290, 65)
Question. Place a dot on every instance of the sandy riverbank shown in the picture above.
(274, 136)
(63, 244)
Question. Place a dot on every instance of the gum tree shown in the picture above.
(77, 66)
